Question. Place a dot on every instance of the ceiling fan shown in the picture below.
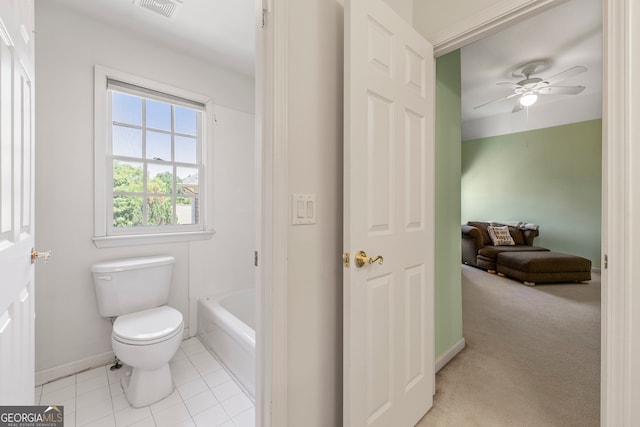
(527, 90)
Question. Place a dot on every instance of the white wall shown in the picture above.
(227, 262)
(315, 70)
(70, 335)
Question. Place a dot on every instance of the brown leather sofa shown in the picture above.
(478, 249)
(521, 261)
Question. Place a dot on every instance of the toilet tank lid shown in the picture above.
(131, 264)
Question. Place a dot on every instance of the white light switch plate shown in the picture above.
(303, 209)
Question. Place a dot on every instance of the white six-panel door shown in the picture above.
(16, 203)
(389, 193)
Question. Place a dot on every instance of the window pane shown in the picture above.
(160, 211)
(186, 149)
(186, 120)
(187, 210)
(158, 146)
(160, 179)
(187, 180)
(127, 211)
(127, 141)
(127, 177)
(158, 115)
(155, 152)
(126, 109)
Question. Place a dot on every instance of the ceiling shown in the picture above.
(222, 32)
(565, 36)
(218, 31)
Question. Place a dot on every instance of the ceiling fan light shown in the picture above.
(528, 99)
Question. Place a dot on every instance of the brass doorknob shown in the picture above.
(361, 259)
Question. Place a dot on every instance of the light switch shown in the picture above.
(303, 209)
(309, 209)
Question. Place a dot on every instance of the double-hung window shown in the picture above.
(153, 162)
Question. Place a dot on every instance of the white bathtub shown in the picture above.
(226, 325)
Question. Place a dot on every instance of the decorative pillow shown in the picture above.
(500, 236)
(516, 234)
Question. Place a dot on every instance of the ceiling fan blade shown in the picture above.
(509, 84)
(561, 90)
(566, 74)
(496, 100)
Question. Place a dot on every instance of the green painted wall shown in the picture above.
(551, 177)
(448, 298)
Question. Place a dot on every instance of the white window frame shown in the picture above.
(103, 168)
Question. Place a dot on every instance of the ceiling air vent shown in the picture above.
(166, 8)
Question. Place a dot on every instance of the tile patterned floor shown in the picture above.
(205, 396)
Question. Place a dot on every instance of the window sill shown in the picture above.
(148, 239)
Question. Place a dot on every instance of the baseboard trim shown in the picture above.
(449, 354)
(50, 374)
(596, 270)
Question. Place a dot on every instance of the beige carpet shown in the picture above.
(532, 356)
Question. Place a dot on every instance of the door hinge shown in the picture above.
(606, 261)
(255, 258)
(345, 260)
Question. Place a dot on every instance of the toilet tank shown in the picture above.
(128, 285)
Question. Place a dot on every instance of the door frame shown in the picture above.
(617, 376)
(273, 213)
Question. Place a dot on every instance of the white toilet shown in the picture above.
(146, 333)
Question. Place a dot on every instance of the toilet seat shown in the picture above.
(148, 326)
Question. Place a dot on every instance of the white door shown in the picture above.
(389, 193)
(16, 203)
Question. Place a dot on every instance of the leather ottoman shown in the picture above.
(543, 267)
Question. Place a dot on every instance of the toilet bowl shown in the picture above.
(146, 341)
(146, 332)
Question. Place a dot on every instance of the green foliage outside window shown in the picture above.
(128, 208)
